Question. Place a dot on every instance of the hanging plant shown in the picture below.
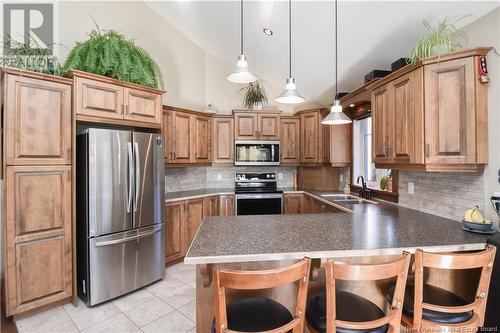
(254, 95)
(442, 39)
(110, 53)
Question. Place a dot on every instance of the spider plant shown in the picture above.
(30, 56)
(442, 39)
(254, 95)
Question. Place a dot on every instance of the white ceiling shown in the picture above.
(372, 34)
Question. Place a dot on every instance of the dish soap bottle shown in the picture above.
(347, 187)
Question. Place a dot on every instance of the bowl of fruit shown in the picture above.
(475, 222)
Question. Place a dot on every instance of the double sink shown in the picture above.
(346, 199)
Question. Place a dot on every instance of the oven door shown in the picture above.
(259, 204)
(257, 153)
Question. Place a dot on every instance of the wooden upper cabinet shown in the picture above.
(188, 136)
(245, 126)
(257, 125)
(142, 106)
(314, 137)
(290, 140)
(432, 116)
(105, 100)
(340, 145)
(223, 140)
(451, 113)
(38, 236)
(37, 121)
(201, 139)
(98, 99)
(175, 231)
(382, 124)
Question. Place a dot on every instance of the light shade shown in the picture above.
(336, 116)
(241, 74)
(290, 95)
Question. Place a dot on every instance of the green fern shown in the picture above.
(110, 53)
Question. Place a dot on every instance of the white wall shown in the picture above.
(486, 32)
(182, 62)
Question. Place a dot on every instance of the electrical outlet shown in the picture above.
(219, 176)
(280, 175)
(411, 188)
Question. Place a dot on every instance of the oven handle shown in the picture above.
(259, 196)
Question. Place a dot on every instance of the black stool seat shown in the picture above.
(349, 307)
(437, 296)
(255, 314)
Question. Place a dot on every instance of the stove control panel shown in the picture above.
(247, 176)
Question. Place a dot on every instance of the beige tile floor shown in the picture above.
(165, 306)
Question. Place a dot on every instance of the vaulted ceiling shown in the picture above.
(372, 34)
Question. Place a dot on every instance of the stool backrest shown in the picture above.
(265, 279)
(454, 261)
(367, 272)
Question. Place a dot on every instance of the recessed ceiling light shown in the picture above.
(268, 31)
(352, 105)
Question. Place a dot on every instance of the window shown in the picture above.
(362, 155)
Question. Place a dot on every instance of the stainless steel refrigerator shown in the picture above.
(120, 215)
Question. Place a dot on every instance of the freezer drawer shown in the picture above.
(122, 262)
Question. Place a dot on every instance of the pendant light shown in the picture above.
(290, 95)
(241, 74)
(336, 116)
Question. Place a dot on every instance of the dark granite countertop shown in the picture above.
(370, 229)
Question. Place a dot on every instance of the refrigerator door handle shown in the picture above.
(137, 174)
(130, 176)
(128, 239)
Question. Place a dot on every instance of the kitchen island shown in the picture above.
(368, 233)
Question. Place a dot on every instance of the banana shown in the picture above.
(486, 221)
(468, 215)
(477, 217)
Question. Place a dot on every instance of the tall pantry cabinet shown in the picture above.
(38, 196)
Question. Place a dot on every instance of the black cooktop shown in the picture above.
(240, 190)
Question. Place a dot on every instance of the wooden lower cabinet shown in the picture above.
(175, 231)
(194, 218)
(294, 203)
(226, 205)
(38, 269)
(211, 206)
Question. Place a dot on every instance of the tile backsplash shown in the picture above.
(182, 179)
(444, 194)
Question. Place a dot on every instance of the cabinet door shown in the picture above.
(223, 141)
(38, 266)
(290, 140)
(201, 139)
(37, 122)
(408, 118)
(382, 124)
(294, 203)
(340, 145)
(194, 217)
(98, 99)
(226, 205)
(268, 126)
(309, 137)
(175, 231)
(245, 126)
(211, 206)
(180, 137)
(308, 204)
(450, 122)
(324, 143)
(142, 106)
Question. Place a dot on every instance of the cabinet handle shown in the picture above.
(126, 109)
(175, 155)
(427, 150)
(121, 107)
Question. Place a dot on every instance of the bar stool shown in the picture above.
(430, 308)
(345, 312)
(257, 314)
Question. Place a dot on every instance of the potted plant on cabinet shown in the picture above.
(110, 53)
(254, 95)
(442, 39)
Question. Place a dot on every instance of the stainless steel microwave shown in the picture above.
(257, 153)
